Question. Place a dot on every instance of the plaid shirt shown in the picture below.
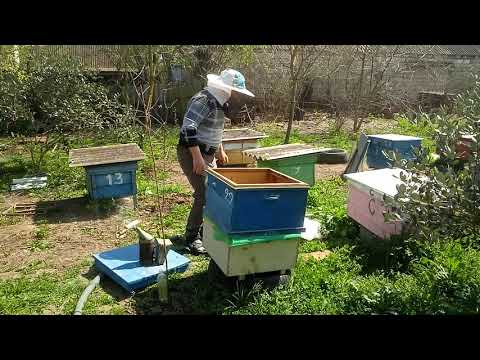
(203, 121)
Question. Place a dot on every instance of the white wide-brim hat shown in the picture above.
(229, 80)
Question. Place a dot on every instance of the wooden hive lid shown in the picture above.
(384, 181)
(242, 134)
(109, 154)
(282, 151)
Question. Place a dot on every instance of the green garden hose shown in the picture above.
(86, 293)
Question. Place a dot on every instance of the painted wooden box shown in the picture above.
(242, 200)
(403, 145)
(366, 200)
(240, 255)
(235, 141)
(463, 148)
(112, 181)
(110, 170)
(295, 160)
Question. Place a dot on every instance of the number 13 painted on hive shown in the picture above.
(116, 179)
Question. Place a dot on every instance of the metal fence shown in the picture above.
(94, 57)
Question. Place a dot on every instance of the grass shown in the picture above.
(15, 166)
(40, 241)
(51, 293)
(421, 128)
(176, 220)
(441, 279)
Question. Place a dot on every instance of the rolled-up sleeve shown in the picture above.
(196, 112)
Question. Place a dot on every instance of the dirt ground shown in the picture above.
(77, 229)
(325, 171)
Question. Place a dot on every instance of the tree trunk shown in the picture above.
(357, 123)
(292, 110)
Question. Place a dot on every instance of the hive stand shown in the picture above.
(110, 170)
(269, 280)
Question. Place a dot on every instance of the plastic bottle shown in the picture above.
(162, 287)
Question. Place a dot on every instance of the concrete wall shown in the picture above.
(404, 79)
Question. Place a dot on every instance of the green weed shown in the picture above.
(40, 241)
(9, 220)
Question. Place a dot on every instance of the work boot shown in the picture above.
(195, 245)
(191, 241)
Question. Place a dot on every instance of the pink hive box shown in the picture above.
(366, 200)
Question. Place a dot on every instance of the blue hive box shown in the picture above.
(112, 180)
(123, 266)
(403, 145)
(249, 200)
(111, 169)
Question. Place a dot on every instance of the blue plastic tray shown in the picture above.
(122, 266)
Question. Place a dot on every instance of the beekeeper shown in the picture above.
(200, 143)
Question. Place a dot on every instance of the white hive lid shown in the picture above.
(384, 181)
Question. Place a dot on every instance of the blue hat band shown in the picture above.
(239, 82)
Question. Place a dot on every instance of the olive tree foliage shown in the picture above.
(15, 114)
(440, 198)
(45, 96)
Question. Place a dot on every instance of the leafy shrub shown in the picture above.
(441, 199)
(45, 94)
(64, 96)
(15, 114)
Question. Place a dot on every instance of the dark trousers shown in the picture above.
(198, 182)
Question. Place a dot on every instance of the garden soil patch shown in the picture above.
(74, 232)
(325, 171)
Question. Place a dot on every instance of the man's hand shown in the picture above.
(222, 157)
(199, 165)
